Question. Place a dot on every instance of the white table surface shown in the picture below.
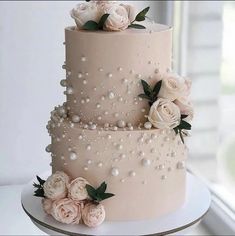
(13, 220)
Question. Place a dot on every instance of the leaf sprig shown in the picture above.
(99, 194)
(39, 192)
(150, 94)
(140, 17)
(92, 25)
(184, 125)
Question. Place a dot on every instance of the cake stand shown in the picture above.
(197, 203)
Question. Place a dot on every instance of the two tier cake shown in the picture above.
(123, 124)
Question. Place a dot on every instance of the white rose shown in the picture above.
(173, 87)
(66, 211)
(93, 215)
(118, 17)
(55, 186)
(186, 107)
(131, 12)
(47, 205)
(84, 12)
(77, 189)
(164, 114)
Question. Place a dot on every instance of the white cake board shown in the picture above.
(197, 203)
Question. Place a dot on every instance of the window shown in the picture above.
(205, 51)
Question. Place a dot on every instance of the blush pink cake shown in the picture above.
(126, 114)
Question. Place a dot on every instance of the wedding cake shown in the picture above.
(123, 124)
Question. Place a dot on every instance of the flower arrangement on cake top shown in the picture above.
(107, 15)
(72, 201)
(170, 107)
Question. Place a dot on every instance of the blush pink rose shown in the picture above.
(93, 215)
(186, 107)
(173, 87)
(164, 114)
(77, 189)
(66, 211)
(47, 205)
(55, 186)
(118, 17)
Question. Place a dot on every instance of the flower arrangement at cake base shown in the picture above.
(72, 201)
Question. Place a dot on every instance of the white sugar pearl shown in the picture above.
(123, 156)
(114, 172)
(146, 162)
(79, 75)
(88, 147)
(83, 59)
(100, 164)
(69, 90)
(180, 165)
(110, 75)
(75, 118)
(48, 148)
(84, 81)
(93, 127)
(85, 168)
(167, 139)
(109, 136)
(120, 69)
(101, 69)
(161, 167)
(119, 147)
(63, 83)
(82, 101)
(147, 125)
(138, 76)
(143, 110)
(80, 137)
(98, 105)
(61, 111)
(121, 124)
(111, 95)
(99, 118)
(72, 156)
(132, 174)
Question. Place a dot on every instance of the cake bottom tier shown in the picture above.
(145, 169)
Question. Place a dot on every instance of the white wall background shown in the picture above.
(31, 56)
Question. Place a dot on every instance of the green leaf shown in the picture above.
(39, 192)
(144, 96)
(141, 16)
(157, 88)
(102, 188)
(176, 129)
(90, 25)
(41, 181)
(183, 116)
(106, 196)
(102, 21)
(185, 125)
(146, 87)
(91, 192)
(137, 26)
